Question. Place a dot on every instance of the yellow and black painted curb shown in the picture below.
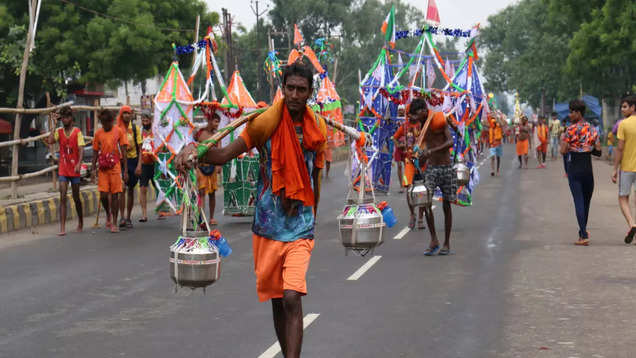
(45, 211)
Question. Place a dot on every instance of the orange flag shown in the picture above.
(298, 37)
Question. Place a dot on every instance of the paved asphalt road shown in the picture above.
(106, 295)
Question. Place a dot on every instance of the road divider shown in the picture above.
(367, 265)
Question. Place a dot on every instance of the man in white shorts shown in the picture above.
(625, 159)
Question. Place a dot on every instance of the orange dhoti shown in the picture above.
(543, 147)
(207, 183)
(280, 266)
(522, 147)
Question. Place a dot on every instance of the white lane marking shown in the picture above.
(364, 268)
(482, 162)
(401, 234)
(274, 349)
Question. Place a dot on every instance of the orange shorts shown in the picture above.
(109, 181)
(207, 183)
(280, 266)
(522, 147)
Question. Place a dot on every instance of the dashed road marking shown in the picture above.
(274, 349)
(401, 234)
(364, 268)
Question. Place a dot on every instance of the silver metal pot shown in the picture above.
(361, 226)
(194, 267)
(419, 195)
(463, 173)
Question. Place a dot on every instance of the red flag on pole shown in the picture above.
(432, 14)
(298, 37)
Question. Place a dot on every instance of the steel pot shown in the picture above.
(192, 266)
(419, 195)
(463, 173)
(361, 226)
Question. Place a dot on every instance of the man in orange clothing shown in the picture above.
(109, 147)
(494, 129)
(543, 136)
(523, 138)
(291, 140)
(405, 137)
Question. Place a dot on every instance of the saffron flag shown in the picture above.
(388, 27)
(432, 14)
(298, 37)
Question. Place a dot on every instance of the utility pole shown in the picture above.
(229, 53)
(542, 112)
(255, 10)
(33, 15)
(196, 39)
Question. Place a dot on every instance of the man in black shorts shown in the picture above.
(147, 163)
(439, 173)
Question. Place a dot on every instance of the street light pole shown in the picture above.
(255, 10)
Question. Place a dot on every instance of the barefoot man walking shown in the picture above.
(439, 173)
(291, 139)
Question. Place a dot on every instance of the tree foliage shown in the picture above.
(560, 47)
(93, 41)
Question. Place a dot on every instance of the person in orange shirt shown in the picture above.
(523, 138)
(543, 136)
(405, 138)
(207, 175)
(133, 136)
(109, 148)
(494, 130)
(291, 139)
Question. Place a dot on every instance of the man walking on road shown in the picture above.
(495, 135)
(542, 148)
(580, 141)
(109, 149)
(291, 139)
(625, 159)
(71, 154)
(439, 172)
(555, 135)
(523, 139)
(405, 137)
(133, 135)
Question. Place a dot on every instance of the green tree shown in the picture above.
(602, 50)
(95, 41)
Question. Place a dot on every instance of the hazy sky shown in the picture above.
(453, 13)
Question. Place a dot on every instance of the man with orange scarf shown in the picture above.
(542, 148)
(495, 137)
(523, 138)
(291, 140)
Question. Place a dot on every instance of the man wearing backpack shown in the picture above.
(133, 135)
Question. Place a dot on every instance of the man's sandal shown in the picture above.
(431, 251)
(630, 235)
(582, 242)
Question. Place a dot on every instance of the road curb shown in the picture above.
(45, 211)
